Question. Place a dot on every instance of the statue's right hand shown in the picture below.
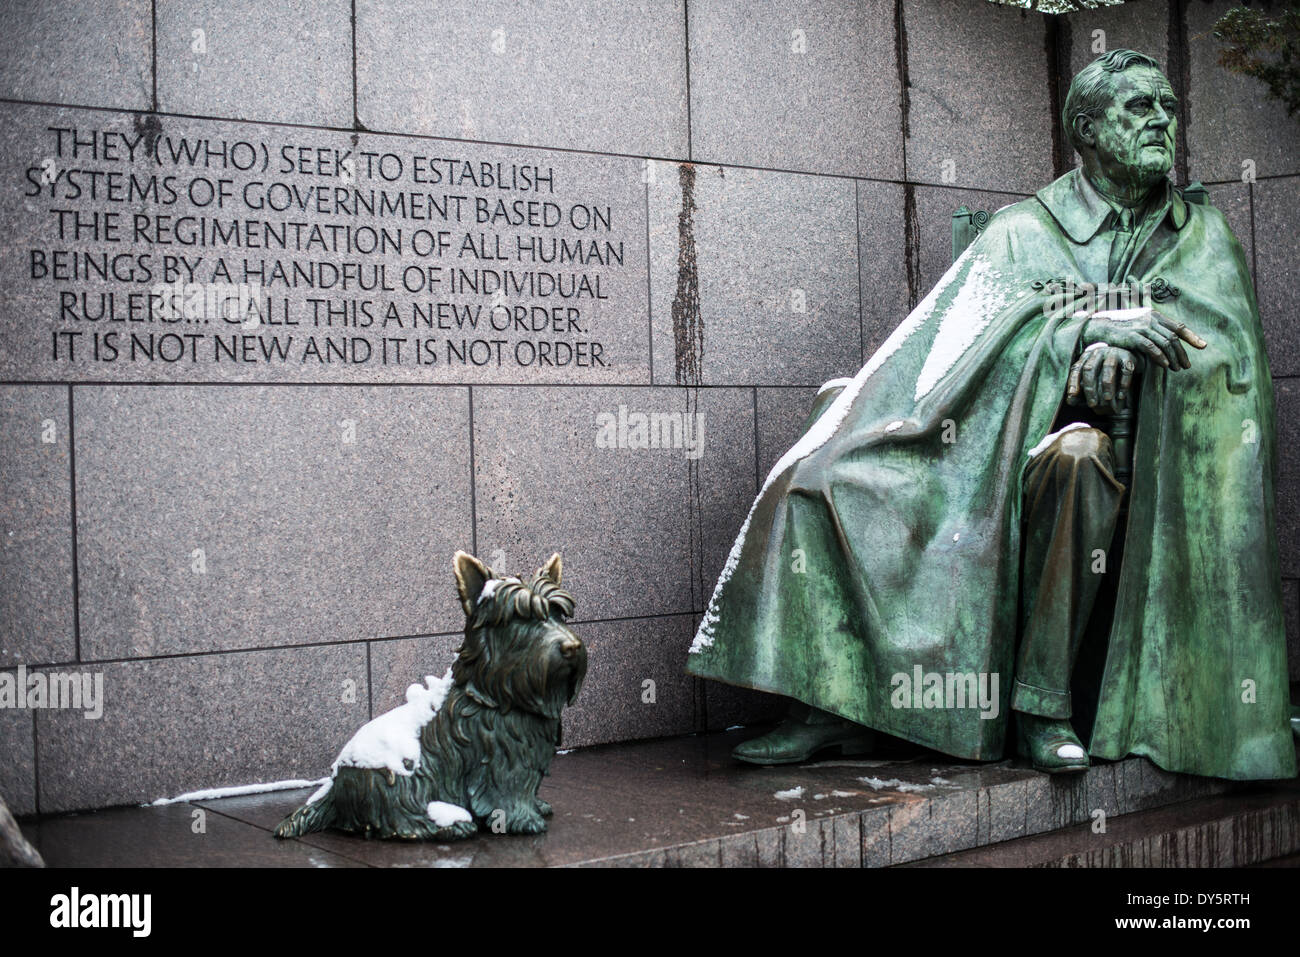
(1144, 331)
(1102, 379)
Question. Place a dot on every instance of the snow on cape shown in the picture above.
(392, 740)
(981, 297)
(962, 324)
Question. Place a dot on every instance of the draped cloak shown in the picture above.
(886, 542)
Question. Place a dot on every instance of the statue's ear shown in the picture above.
(1085, 129)
(471, 576)
(551, 569)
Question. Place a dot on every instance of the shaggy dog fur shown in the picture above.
(489, 744)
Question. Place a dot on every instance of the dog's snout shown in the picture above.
(570, 646)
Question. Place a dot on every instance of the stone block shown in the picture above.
(753, 277)
(37, 602)
(175, 725)
(217, 518)
(799, 86)
(273, 60)
(580, 74)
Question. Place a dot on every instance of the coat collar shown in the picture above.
(1081, 211)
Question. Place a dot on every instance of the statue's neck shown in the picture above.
(1127, 194)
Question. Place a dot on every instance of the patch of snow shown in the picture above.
(845, 794)
(491, 585)
(791, 795)
(1118, 315)
(981, 297)
(566, 751)
(443, 814)
(740, 817)
(392, 740)
(1049, 439)
(735, 727)
(893, 784)
(211, 794)
(835, 384)
(894, 426)
(320, 792)
(956, 536)
(1071, 751)
(943, 781)
(1095, 346)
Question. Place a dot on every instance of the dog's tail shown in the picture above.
(316, 816)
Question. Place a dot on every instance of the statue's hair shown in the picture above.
(1093, 86)
(538, 599)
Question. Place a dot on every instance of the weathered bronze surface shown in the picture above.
(479, 757)
(947, 543)
(15, 851)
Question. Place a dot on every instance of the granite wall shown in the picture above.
(243, 524)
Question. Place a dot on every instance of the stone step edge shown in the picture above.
(1233, 830)
(917, 827)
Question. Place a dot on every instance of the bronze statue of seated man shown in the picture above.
(927, 560)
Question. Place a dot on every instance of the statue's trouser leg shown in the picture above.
(1071, 504)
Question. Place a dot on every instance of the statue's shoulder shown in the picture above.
(1026, 213)
(1210, 219)
(1017, 225)
(1205, 225)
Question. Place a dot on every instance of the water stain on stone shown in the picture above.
(150, 127)
(911, 245)
(688, 324)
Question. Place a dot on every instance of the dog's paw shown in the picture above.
(526, 823)
(543, 808)
(456, 832)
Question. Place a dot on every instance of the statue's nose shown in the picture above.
(570, 646)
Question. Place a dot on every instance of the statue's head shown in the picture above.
(1119, 115)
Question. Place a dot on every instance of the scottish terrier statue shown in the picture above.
(468, 750)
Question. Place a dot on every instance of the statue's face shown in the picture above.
(1134, 137)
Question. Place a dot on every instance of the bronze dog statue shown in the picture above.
(468, 750)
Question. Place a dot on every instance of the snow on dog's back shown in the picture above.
(392, 740)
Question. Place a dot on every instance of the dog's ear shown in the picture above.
(551, 569)
(471, 576)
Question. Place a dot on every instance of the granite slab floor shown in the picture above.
(669, 802)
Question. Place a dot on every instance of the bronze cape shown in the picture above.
(887, 542)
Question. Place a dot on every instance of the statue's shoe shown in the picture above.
(793, 741)
(1051, 744)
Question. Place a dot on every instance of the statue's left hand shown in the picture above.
(1102, 378)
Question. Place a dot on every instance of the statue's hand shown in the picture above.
(1143, 331)
(1102, 377)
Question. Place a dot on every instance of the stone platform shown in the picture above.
(684, 802)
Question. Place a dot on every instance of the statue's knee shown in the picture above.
(1078, 446)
